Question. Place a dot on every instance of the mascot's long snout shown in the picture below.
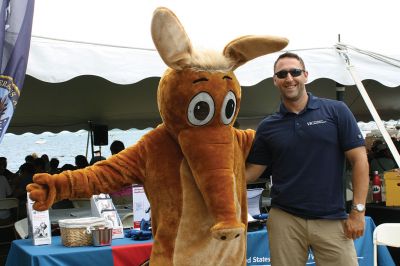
(209, 152)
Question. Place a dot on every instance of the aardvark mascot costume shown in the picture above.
(192, 166)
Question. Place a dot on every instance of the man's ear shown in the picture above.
(274, 79)
(305, 72)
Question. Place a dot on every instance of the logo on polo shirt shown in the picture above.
(316, 122)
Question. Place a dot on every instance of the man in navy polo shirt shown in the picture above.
(305, 145)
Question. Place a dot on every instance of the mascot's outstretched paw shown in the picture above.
(42, 191)
(225, 231)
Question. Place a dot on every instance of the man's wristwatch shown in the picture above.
(358, 207)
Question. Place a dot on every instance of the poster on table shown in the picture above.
(141, 206)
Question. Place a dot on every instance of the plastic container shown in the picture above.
(102, 236)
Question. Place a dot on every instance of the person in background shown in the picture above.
(123, 196)
(81, 162)
(396, 143)
(67, 166)
(26, 172)
(46, 160)
(5, 192)
(10, 176)
(40, 165)
(382, 159)
(116, 146)
(29, 158)
(65, 203)
(54, 163)
(306, 143)
(97, 157)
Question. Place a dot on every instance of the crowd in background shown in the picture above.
(14, 184)
(380, 158)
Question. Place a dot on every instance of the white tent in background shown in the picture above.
(93, 60)
(71, 83)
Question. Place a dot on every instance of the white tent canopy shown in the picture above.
(93, 61)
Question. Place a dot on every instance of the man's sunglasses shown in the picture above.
(294, 72)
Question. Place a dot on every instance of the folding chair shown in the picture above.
(12, 205)
(127, 220)
(387, 234)
(21, 227)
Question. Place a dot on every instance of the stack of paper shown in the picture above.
(253, 201)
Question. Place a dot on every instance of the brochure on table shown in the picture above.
(102, 206)
(253, 201)
(39, 227)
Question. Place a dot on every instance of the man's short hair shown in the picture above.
(290, 55)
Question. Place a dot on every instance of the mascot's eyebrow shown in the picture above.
(227, 77)
(199, 80)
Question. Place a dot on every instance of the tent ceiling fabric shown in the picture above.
(70, 105)
(58, 61)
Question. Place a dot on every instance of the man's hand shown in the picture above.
(354, 225)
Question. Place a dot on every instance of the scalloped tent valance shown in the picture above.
(69, 84)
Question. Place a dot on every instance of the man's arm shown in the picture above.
(254, 171)
(360, 180)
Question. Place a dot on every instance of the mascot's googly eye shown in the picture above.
(201, 109)
(228, 108)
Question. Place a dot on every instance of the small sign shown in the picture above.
(39, 224)
(141, 206)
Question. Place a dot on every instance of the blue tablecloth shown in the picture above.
(22, 252)
(258, 248)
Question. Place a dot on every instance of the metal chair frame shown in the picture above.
(11, 204)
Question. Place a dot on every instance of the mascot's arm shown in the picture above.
(245, 139)
(125, 168)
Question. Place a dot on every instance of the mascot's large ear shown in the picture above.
(170, 39)
(246, 48)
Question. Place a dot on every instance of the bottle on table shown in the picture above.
(376, 188)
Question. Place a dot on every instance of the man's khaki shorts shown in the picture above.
(291, 237)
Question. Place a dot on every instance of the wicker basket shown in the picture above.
(77, 232)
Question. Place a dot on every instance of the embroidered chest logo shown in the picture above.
(316, 122)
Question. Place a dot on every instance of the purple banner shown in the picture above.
(15, 36)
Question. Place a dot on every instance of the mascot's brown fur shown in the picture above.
(192, 165)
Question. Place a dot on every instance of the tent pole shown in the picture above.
(371, 107)
(91, 136)
(340, 97)
(87, 144)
